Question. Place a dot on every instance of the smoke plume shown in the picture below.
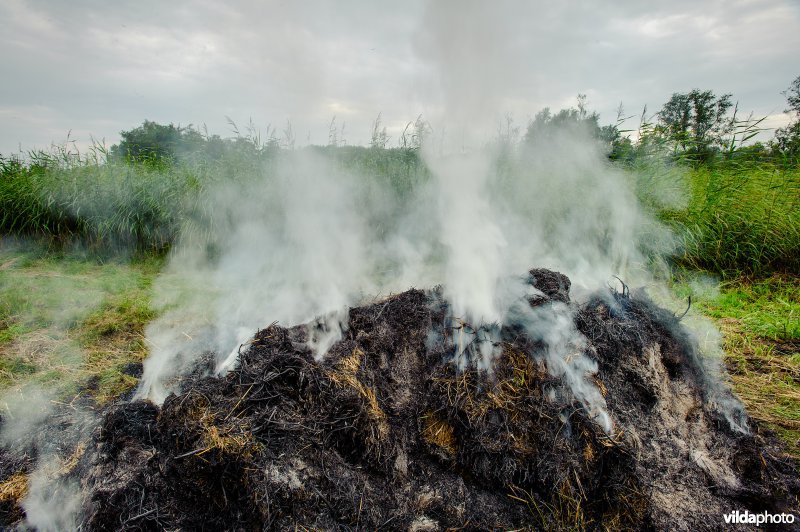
(307, 233)
(306, 236)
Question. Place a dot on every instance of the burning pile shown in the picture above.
(387, 432)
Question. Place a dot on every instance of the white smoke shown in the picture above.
(53, 501)
(290, 247)
(52, 504)
(503, 212)
(304, 236)
(470, 234)
(706, 346)
(565, 353)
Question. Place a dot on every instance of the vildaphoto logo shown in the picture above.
(746, 518)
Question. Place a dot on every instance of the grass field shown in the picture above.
(760, 323)
(70, 323)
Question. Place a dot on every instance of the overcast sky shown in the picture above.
(95, 67)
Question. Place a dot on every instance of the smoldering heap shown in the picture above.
(386, 432)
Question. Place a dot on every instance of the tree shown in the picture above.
(787, 139)
(576, 123)
(696, 122)
(156, 142)
(793, 96)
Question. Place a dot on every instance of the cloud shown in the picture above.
(100, 68)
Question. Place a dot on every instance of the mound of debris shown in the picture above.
(387, 432)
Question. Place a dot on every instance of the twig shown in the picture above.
(190, 453)
(625, 290)
(685, 312)
(143, 514)
(239, 402)
(387, 522)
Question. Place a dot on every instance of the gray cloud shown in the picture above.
(96, 68)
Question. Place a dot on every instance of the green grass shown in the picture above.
(109, 207)
(733, 218)
(740, 220)
(66, 320)
(115, 207)
(760, 322)
(768, 308)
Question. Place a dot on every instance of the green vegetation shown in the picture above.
(73, 307)
(695, 122)
(69, 322)
(740, 220)
(787, 139)
(157, 144)
(760, 322)
(108, 206)
(576, 122)
(121, 205)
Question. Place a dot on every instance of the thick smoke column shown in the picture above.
(470, 53)
(474, 243)
(467, 51)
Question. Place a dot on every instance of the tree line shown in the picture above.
(697, 127)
